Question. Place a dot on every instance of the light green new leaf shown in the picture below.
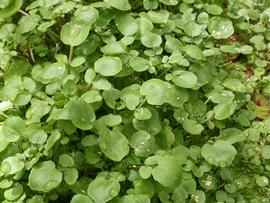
(224, 110)
(123, 5)
(81, 114)
(103, 190)
(74, 33)
(221, 153)
(155, 91)
(108, 66)
(90, 75)
(44, 177)
(194, 52)
(220, 28)
(109, 141)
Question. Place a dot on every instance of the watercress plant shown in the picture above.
(126, 101)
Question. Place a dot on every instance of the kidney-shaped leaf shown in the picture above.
(224, 110)
(221, 153)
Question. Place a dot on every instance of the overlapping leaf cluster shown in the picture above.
(134, 101)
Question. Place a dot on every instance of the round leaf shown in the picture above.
(74, 33)
(221, 153)
(81, 114)
(220, 28)
(108, 66)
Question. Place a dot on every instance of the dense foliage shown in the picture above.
(127, 101)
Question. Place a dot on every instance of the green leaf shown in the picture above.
(14, 193)
(164, 167)
(71, 176)
(224, 110)
(111, 140)
(198, 196)
(89, 76)
(79, 198)
(221, 153)
(81, 114)
(74, 33)
(192, 29)
(192, 127)
(54, 70)
(220, 96)
(8, 8)
(123, 5)
(234, 84)
(113, 48)
(194, 52)
(139, 64)
(185, 79)
(169, 2)
(143, 143)
(213, 9)
(86, 13)
(220, 28)
(152, 125)
(108, 66)
(12, 165)
(266, 151)
(66, 160)
(142, 114)
(151, 40)
(134, 199)
(126, 24)
(13, 128)
(155, 91)
(38, 137)
(37, 110)
(160, 17)
(28, 23)
(44, 177)
(103, 190)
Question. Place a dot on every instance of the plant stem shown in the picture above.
(24, 13)
(70, 54)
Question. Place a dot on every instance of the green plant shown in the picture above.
(134, 101)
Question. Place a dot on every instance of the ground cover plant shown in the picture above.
(135, 101)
